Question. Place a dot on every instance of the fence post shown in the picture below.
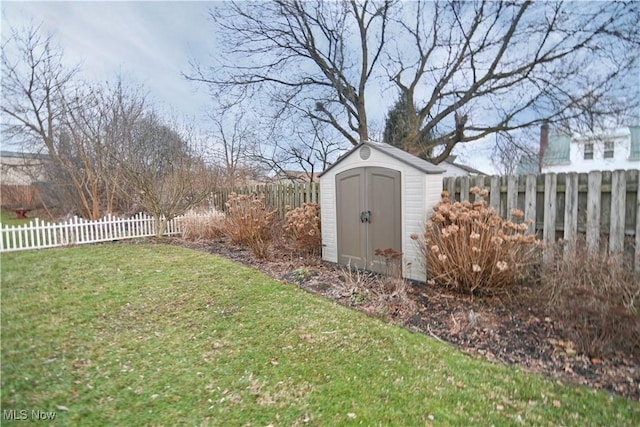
(451, 187)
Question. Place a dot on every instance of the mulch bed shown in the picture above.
(514, 331)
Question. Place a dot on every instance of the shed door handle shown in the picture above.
(365, 216)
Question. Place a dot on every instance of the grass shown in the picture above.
(126, 334)
(9, 218)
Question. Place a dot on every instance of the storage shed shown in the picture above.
(374, 197)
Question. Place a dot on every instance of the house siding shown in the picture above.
(623, 154)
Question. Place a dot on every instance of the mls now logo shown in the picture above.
(23, 414)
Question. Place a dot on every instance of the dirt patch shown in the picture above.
(515, 331)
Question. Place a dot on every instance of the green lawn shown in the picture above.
(9, 218)
(124, 334)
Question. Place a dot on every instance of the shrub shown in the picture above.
(385, 296)
(470, 248)
(303, 224)
(202, 226)
(597, 298)
(394, 298)
(249, 223)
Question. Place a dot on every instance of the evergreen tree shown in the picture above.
(396, 129)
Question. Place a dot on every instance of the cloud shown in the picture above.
(150, 42)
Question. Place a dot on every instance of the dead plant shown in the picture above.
(202, 226)
(597, 297)
(303, 225)
(249, 223)
(470, 248)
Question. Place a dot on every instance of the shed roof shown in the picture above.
(396, 153)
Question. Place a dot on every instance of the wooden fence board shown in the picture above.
(593, 212)
(530, 203)
(571, 210)
(618, 199)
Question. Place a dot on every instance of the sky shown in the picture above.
(148, 43)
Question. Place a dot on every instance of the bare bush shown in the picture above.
(202, 226)
(394, 298)
(249, 223)
(303, 224)
(20, 196)
(468, 247)
(385, 296)
(597, 297)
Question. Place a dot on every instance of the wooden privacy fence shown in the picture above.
(39, 234)
(603, 206)
(276, 196)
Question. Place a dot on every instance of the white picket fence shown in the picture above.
(39, 234)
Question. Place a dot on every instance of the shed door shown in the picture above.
(368, 215)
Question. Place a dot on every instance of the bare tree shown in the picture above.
(306, 146)
(74, 124)
(98, 122)
(164, 169)
(510, 147)
(235, 137)
(471, 69)
(107, 151)
(316, 58)
(526, 63)
(34, 82)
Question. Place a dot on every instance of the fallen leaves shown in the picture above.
(510, 331)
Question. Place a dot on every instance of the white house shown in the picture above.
(451, 168)
(21, 168)
(617, 149)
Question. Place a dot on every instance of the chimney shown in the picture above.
(544, 142)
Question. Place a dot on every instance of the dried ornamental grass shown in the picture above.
(249, 223)
(202, 226)
(470, 248)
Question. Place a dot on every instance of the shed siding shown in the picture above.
(328, 218)
(414, 189)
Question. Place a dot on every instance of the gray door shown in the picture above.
(368, 215)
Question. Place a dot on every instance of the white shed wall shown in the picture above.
(419, 193)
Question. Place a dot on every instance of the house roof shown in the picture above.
(557, 151)
(452, 161)
(527, 165)
(296, 175)
(396, 153)
(23, 155)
